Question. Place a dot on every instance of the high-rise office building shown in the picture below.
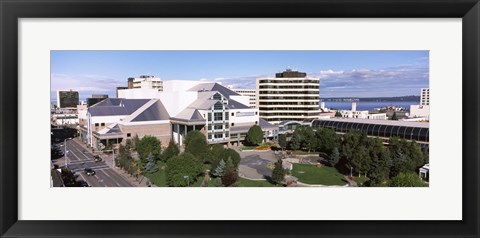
(67, 98)
(425, 97)
(96, 98)
(290, 95)
(251, 93)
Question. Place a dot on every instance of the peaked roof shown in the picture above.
(232, 104)
(214, 87)
(154, 112)
(190, 114)
(116, 107)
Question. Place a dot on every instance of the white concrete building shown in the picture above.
(290, 95)
(251, 93)
(147, 82)
(418, 111)
(425, 97)
(362, 114)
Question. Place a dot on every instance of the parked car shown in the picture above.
(89, 171)
(82, 183)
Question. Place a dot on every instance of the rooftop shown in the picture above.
(380, 122)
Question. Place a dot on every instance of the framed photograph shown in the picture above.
(239, 118)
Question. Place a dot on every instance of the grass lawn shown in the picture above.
(158, 178)
(311, 174)
(242, 182)
(360, 180)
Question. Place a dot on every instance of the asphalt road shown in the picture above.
(79, 158)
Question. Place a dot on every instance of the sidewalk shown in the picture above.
(141, 181)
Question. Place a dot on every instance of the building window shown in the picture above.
(226, 115)
(256, 122)
(102, 124)
(209, 136)
(218, 136)
(256, 113)
(226, 134)
(218, 127)
(209, 116)
(233, 114)
(217, 97)
(128, 134)
(96, 124)
(218, 116)
(233, 124)
(226, 126)
(218, 106)
(209, 127)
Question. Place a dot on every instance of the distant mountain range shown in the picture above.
(411, 98)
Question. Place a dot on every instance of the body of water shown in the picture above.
(362, 106)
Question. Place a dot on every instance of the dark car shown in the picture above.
(89, 172)
(97, 158)
(82, 183)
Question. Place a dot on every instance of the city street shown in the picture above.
(79, 158)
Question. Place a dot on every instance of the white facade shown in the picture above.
(176, 101)
(290, 95)
(418, 111)
(363, 115)
(148, 82)
(425, 97)
(179, 85)
(251, 93)
(138, 93)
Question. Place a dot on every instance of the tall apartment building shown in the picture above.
(146, 82)
(67, 98)
(251, 93)
(289, 96)
(425, 97)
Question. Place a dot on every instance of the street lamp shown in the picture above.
(113, 155)
(188, 180)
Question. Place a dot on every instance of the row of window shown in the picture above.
(408, 133)
(287, 87)
(289, 92)
(288, 108)
(271, 114)
(218, 126)
(290, 98)
(99, 124)
(288, 81)
(288, 103)
(218, 135)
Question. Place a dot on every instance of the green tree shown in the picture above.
(147, 145)
(182, 169)
(254, 135)
(334, 157)
(135, 141)
(326, 140)
(196, 144)
(282, 141)
(220, 170)
(171, 151)
(297, 138)
(394, 116)
(278, 172)
(309, 141)
(407, 180)
(151, 166)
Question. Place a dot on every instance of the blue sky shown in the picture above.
(342, 73)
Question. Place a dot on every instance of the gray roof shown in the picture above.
(232, 104)
(116, 106)
(190, 114)
(262, 123)
(155, 112)
(214, 87)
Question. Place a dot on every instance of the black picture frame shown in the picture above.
(11, 11)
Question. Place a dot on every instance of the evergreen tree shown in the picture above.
(394, 116)
(334, 157)
(309, 140)
(278, 173)
(196, 144)
(229, 165)
(282, 141)
(151, 166)
(297, 139)
(220, 170)
(254, 135)
(171, 151)
(135, 141)
(338, 114)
